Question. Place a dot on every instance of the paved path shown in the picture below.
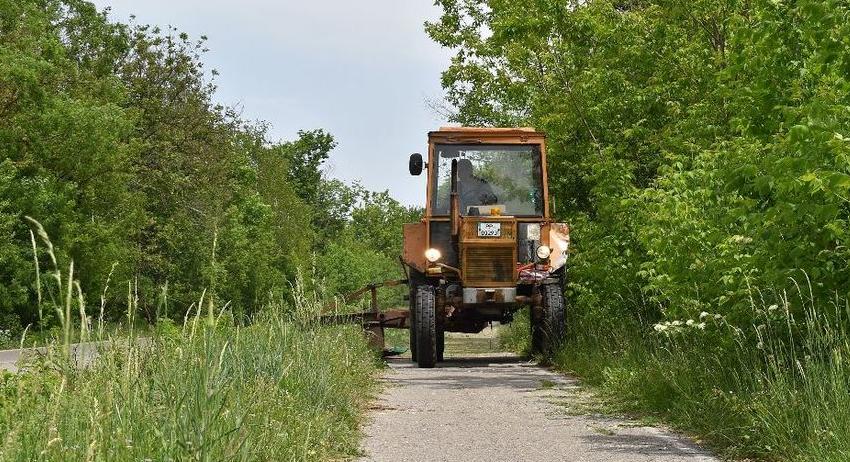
(82, 353)
(502, 408)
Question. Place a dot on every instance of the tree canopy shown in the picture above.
(110, 136)
(700, 149)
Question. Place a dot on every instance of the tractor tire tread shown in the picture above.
(547, 330)
(426, 326)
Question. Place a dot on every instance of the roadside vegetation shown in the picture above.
(205, 390)
(197, 249)
(700, 153)
(280, 387)
(110, 136)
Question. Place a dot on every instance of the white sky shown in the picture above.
(361, 70)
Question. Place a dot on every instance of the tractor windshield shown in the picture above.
(503, 177)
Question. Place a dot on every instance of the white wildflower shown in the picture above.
(717, 316)
(772, 307)
(660, 327)
(677, 323)
(738, 239)
(701, 326)
(760, 345)
(690, 323)
(704, 315)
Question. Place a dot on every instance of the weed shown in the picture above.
(278, 389)
(547, 384)
(776, 389)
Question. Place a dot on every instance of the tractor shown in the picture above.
(486, 246)
(484, 249)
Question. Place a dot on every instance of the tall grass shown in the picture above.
(776, 389)
(279, 389)
(516, 336)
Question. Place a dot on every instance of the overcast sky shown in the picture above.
(362, 70)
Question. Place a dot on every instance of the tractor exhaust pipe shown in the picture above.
(454, 205)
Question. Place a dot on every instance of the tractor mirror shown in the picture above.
(415, 164)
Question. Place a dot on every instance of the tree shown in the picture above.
(693, 146)
(112, 139)
(305, 157)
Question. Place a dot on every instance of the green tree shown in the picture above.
(110, 136)
(306, 155)
(698, 149)
(64, 143)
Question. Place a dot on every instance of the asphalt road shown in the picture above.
(82, 354)
(11, 359)
(499, 407)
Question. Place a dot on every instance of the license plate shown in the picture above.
(489, 229)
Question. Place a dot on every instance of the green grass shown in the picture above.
(271, 391)
(458, 345)
(34, 338)
(516, 336)
(774, 390)
(484, 343)
(282, 388)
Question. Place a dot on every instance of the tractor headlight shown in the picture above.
(543, 252)
(432, 255)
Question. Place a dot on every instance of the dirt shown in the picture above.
(500, 407)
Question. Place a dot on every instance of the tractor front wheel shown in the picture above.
(547, 320)
(425, 326)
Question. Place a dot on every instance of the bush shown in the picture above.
(699, 154)
(109, 135)
(776, 389)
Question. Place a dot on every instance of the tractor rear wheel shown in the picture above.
(441, 344)
(547, 320)
(425, 326)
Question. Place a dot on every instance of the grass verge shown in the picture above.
(283, 388)
(773, 390)
(271, 391)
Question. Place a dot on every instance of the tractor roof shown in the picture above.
(480, 134)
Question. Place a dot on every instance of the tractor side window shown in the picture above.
(505, 177)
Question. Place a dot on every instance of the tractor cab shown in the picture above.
(486, 246)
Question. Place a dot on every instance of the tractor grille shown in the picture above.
(488, 265)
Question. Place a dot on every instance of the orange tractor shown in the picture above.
(485, 247)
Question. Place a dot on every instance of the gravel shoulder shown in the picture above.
(500, 407)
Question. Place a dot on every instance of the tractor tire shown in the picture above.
(441, 344)
(416, 280)
(548, 325)
(425, 326)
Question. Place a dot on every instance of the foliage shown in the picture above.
(366, 245)
(306, 156)
(699, 152)
(698, 149)
(271, 391)
(110, 137)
